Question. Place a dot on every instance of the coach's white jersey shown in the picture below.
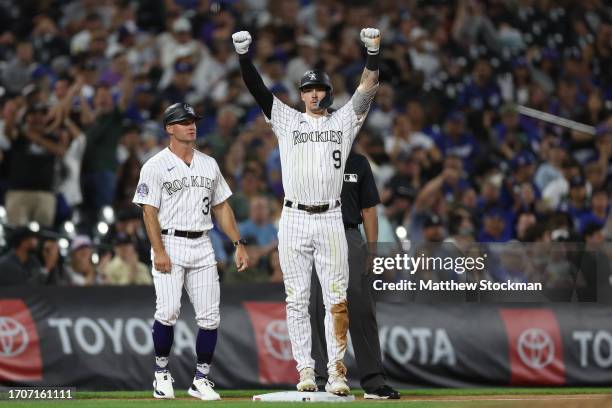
(313, 151)
(183, 194)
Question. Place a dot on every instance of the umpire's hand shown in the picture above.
(241, 40)
(161, 261)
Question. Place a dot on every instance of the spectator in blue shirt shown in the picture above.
(457, 141)
(455, 182)
(181, 88)
(273, 172)
(567, 104)
(258, 230)
(483, 92)
(496, 226)
(520, 191)
(553, 151)
(599, 210)
(141, 108)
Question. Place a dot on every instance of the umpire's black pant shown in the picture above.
(362, 318)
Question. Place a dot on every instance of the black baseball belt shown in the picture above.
(183, 234)
(312, 209)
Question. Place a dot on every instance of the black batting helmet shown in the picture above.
(178, 112)
(318, 77)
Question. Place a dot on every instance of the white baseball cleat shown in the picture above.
(307, 380)
(162, 386)
(202, 388)
(336, 384)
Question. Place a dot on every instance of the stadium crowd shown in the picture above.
(84, 84)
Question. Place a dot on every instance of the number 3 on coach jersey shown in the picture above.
(206, 203)
(337, 155)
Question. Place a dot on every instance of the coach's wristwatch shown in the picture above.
(241, 241)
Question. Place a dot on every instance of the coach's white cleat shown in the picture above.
(336, 384)
(202, 388)
(307, 380)
(162, 386)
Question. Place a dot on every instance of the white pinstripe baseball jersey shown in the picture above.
(184, 194)
(313, 151)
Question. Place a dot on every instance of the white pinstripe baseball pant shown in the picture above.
(193, 266)
(305, 238)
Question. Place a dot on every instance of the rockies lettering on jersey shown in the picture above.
(184, 194)
(316, 136)
(196, 181)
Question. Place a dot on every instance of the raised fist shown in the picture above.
(371, 39)
(242, 40)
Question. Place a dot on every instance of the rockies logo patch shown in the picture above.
(350, 178)
(142, 190)
(312, 75)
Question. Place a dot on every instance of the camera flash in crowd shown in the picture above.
(108, 214)
(69, 228)
(401, 232)
(102, 228)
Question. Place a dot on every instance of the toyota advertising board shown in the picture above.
(78, 337)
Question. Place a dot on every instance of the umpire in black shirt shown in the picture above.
(359, 200)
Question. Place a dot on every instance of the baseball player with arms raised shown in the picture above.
(314, 146)
(178, 190)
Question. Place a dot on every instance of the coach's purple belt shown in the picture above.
(183, 234)
(313, 209)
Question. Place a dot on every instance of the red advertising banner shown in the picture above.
(536, 352)
(276, 364)
(19, 343)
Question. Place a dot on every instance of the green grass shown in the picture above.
(507, 391)
(244, 404)
(241, 398)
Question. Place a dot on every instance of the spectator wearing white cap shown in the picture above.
(178, 44)
(81, 41)
(81, 271)
(424, 53)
